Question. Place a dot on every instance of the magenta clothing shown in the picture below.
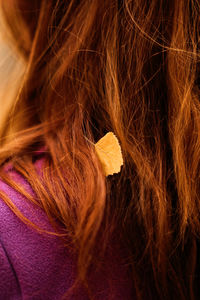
(36, 266)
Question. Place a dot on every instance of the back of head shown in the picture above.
(125, 66)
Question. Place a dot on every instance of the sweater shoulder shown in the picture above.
(30, 259)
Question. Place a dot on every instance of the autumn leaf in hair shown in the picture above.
(109, 153)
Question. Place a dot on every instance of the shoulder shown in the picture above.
(29, 258)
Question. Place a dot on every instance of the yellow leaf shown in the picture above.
(109, 153)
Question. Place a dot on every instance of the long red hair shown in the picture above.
(127, 66)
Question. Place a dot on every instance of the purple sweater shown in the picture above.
(37, 266)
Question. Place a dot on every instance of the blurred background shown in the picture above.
(11, 71)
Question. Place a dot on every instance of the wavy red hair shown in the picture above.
(131, 67)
